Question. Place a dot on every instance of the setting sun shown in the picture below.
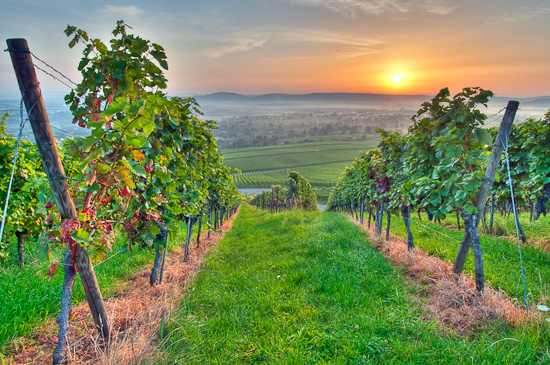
(398, 78)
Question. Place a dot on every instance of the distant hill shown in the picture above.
(535, 102)
(222, 96)
(541, 101)
(315, 98)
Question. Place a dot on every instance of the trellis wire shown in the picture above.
(55, 78)
(516, 218)
(443, 234)
(61, 130)
(65, 77)
(108, 258)
(46, 72)
(21, 127)
(495, 116)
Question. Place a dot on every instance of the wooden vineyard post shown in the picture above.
(209, 220)
(370, 215)
(32, 97)
(492, 216)
(362, 208)
(199, 232)
(486, 184)
(20, 251)
(380, 219)
(388, 225)
(406, 214)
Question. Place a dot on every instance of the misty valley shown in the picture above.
(264, 135)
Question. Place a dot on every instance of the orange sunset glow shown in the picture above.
(303, 46)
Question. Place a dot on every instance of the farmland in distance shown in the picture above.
(321, 162)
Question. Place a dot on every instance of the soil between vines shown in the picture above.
(135, 315)
(452, 298)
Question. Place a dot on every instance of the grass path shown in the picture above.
(135, 311)
(27, 301)
(304, 288)
(500, 256)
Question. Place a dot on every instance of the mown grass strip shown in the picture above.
(303, 288)
(500, 255)
(285, 149)
(26, 300)
(325, 175)
(321, 163)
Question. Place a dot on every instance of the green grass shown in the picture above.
(504, 225)
(292, 159)
(500, 256)
(334, 137)
(321, 163)
(247, 152)
(322, 194)
(26, 300)
(537, 230)
(325, 175)
(304, 288)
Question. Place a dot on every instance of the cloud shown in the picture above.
(352, 52)
(523, 13)
(290, 43)
(440, 7)
(232, 45)
(352, 8)
(123, 10)
(289, 58)
(342, 44)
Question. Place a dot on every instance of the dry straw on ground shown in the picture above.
(135, 316)
(137, 313)
(451, 298)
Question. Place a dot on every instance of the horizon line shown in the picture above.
(195, 94)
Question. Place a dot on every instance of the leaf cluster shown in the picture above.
(438, 165)
(29, 183)
(149, 159)
(528, 153)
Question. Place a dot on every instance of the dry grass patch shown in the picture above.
(135, 316)
(452, 298)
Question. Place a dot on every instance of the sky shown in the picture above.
(304, 46)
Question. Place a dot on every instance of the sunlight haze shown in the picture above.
(304, 46)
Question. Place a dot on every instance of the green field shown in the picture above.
(31, 299)
(501, 259)
(308, 288)
(321, 163)
(334, 137)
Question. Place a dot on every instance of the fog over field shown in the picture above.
(261, 120)
(270, 119)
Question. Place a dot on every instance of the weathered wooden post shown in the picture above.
(38, 118)
(362, 208)
(406, 214)
(492, 216)
(388, 225)
(199, 232)
(209, 220)
(483, 193)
